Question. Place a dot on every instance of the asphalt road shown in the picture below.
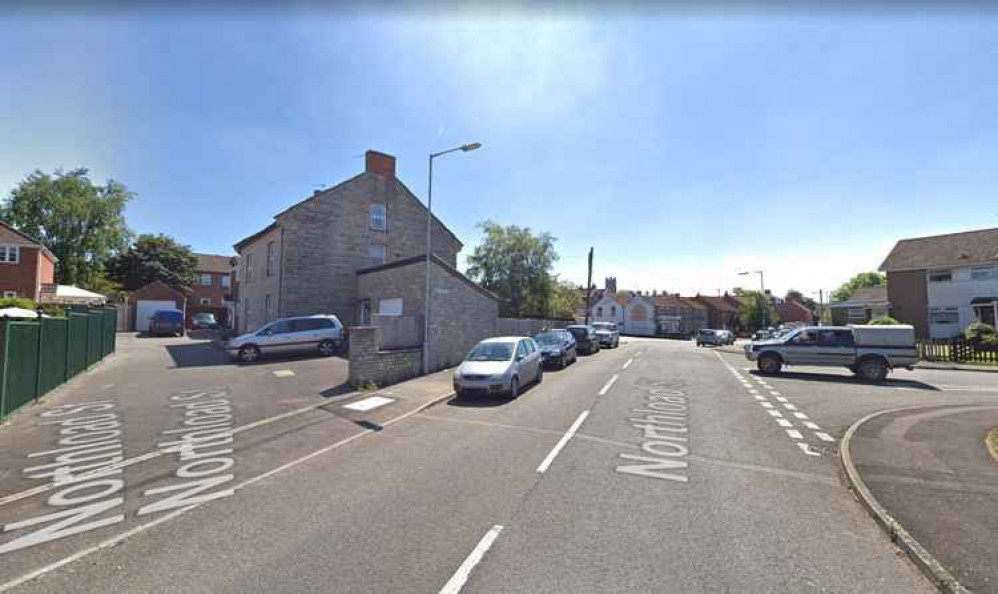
(685, 473)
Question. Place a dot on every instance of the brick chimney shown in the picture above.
(380, 163)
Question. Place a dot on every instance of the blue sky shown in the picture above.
(684, 147)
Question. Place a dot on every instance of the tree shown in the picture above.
(795, 295)
(750, 316)
(516, 265)
(883, 321)
(154, 257)
(566, 299)
(82, 224)
(862, 280)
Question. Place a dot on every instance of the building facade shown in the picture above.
(306, 261)
(639, 316)
(942, 283)
(25, 264)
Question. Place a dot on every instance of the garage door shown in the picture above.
(144, 308)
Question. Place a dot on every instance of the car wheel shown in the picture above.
(327, 348)
(514, 387)
(770, 364)
(873, 370)
(249, 354)
(540, 375)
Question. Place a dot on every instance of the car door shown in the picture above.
(537, 360)
(275, 337)
(304, 335)
(835, 347)
(520, 361)
(801, 348)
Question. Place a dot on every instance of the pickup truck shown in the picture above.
(870, 352)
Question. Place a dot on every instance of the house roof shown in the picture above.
(439, 262)
(214, 263)
(239, 245)
(10, 235)
(864, 297)
(718, 303)
(792, 311)
(952, 249)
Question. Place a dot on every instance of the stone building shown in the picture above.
(306, 261)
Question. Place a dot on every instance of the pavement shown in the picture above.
(657, 466)
(930, 469)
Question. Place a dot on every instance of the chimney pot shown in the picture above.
(380, 163)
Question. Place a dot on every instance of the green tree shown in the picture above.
(154, 257)
(566, 299)
(862, 280)
(81, 223)
(884, 321)
(750, 316)
(516, 265)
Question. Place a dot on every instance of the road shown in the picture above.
(656, 466)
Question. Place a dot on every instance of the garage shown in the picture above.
(144, 302)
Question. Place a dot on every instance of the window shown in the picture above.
(364, 312)
(941, 276)
(805, 337)
(982, 273)
(390, 307)
(249, 267)
(857, 314)
(835, 338)
(985, 313)
(309, 324)
(949, 315)
(599, 312)
(378, 217)
(205, 280)
(521, 349)
(282, 327)
(613, 310)
(377, 254)
(266, 305)
(10, 294)
(270, 258)
(10, 254)
(225, 282)
(205, 301)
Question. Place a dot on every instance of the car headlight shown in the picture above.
(497, 377)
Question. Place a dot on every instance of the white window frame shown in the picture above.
(380, 259)
(225, 281)
(249, 267)
(6, 250)
(206, 277)
(390, 307)
(270, 258)
(948, 312)
(205, 301)
(10, 294)
(979, 273)
(379, 217)
(940, 272)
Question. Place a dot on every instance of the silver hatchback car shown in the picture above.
(322, 334)
(499, 366)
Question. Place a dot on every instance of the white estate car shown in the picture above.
(322, 334)
(499, 366)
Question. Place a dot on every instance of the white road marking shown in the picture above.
(457, 581)
(775, 413)
(800, 416)
(561, 442)
(368, 403)
(811, 425)
(784, 423)
(789, 406)
(766, 404)
(807, 449)
(774, 392)
(608, 384)
(628, 364)
(284, 373)
(795, 434)
(108, 387)
(782, 398)
(824, 436)
(759, 397)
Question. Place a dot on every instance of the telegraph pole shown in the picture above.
(589, 284)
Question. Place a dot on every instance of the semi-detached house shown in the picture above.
(306, 261)
(942, 283)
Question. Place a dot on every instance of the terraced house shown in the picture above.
(306, 260)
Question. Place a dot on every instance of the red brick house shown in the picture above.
(721, 313)
(25, 264)
(212, 290)
(791, 311)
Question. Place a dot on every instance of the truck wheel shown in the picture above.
(873, 370)
(770, 364)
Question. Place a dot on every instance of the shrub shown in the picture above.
(981, 332)
(17, 302)
(883, 321)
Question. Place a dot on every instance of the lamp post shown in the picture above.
(762, 286)
(429, 248)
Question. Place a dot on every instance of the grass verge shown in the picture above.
(992, 442)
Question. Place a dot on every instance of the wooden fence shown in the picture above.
(957, 351)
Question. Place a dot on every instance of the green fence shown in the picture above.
(36, 356)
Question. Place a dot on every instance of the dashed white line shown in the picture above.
(774, 393)
(775, 413)
(782, 398)
(628, 364)
(457, 581)
(784, 423)
(795, 434)
(766, 404)
(824, 436)
(812, 425)
(807, 449)
(608, 384)
(561, 442)
(800, 416)
(759, 397)
(789, 406)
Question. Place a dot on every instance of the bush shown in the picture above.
(981, 332)
(17, 302)
(883, 321)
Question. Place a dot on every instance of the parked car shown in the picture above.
(499, 366)
(607, 334)
(728, 336)
(320, 333)
(166, 321)
(585, 338)
(870, 352)
(761, 335)
(711, 337)
(558, 348)
(203, 321)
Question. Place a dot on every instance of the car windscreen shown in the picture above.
(491, 351)
(548, 338)
(578, 332)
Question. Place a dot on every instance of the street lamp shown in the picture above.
(762, 286)
(429, 248)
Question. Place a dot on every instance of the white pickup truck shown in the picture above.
(870, 352)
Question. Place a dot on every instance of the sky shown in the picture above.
(683, 145)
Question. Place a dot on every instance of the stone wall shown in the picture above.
(527, 326)
(368, 363)
(461, 315)
(251, 310)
